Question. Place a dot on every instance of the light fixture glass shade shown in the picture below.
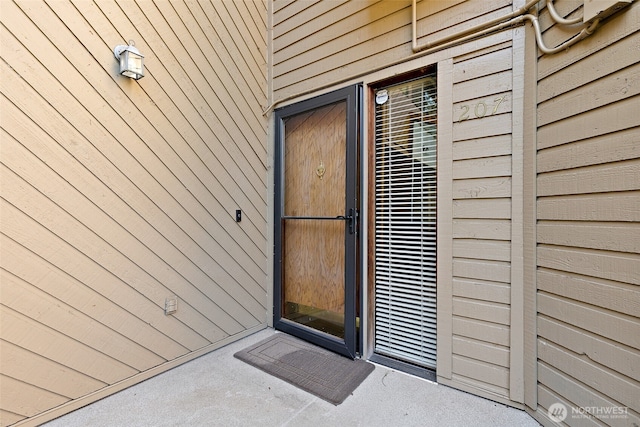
(131, 61)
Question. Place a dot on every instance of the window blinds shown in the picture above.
(405, 230)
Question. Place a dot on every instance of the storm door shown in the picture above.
(405, 222)
(316, 220)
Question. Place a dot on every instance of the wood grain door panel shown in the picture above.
(314, 183)
(316, 204)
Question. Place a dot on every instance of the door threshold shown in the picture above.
(408, 368)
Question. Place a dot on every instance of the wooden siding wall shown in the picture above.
(482, 218)
(588, 230)
(117, 194)
(316, 43)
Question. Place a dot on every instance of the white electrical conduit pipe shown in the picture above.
(476, 29)
(559, 19)
(509, 20)
(586, 32)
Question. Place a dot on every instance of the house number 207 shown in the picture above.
(481, 109)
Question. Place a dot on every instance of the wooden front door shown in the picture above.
(316, 220)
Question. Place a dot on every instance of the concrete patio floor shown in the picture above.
(220, 390)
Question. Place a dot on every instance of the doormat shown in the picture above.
(328, 375)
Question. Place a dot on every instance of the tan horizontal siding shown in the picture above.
(92, 304)
(601, 264)
(26, 400)
(592, 375)
(481, 350)
(590, 124)
(482, 147)
(562, 386)
(327, 21)
(42, 145)
(485, 188)
(493, 229)
(117, 194)
(318, 42)
(489, 376)
(44, 244)
(482, 290)
(610, 177)
(607, 294)
(495, 250)
(482, 213)
(621, 145)
(597, 94)
(618, 28)
(42, 307)
(618, 327)
(622, 206)
(164, 153)
(471, 383)
(620, 237)
(482, 167)
(600, 349)
(43, 373)
(9, 417)
(494, 81)
(596, 66)
(481, 310)
(588, 189)
(330, 34)
(487, 127)
(481, 269)
(482, 208)
(324, 66)
(480, 330)
(491, 62)
(60, 348)
(280, 5)
(91, 234)
(443, 18)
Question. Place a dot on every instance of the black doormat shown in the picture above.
(325, 374)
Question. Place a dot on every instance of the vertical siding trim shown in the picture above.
(445, 220)
(516, 362)
(269, 249)
(366, 166)
(269, 59)
(530, 357)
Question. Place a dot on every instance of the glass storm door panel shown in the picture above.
(316, 220)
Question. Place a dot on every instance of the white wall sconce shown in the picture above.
(131, 60)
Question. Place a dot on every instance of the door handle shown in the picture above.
(323, 218)
(352, 219)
